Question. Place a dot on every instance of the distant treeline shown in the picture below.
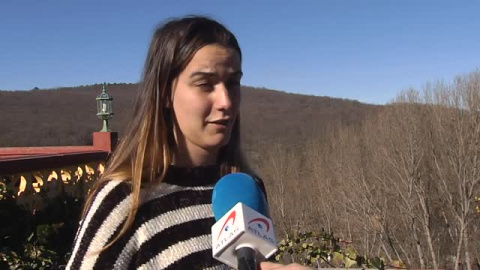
(67, 116)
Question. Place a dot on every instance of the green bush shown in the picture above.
(37, 239)
(322, 249)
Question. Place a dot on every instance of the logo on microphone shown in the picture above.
(261, 223)
(225, 227)
(260, 227)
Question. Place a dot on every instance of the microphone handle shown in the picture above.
(246, 259)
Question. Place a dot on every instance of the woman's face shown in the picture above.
(206, 100)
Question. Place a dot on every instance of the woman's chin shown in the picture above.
(218, 141)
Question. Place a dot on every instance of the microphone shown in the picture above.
(243, 235)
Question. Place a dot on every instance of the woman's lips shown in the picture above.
(220, 123)
(223, 122)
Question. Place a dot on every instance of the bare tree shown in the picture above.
(404, 150)
(456, 149)
(282, 168)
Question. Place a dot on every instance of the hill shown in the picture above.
(66, 116)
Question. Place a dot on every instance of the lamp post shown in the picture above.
(104, 108)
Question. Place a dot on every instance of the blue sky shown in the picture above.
(363, 50)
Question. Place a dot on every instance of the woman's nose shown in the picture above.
(223, 99)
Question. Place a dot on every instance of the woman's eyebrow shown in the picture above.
(202, 73)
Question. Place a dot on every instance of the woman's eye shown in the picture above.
(205, 85)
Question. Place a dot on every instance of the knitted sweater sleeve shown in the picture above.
(104, 218)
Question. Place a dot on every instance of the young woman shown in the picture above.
(151, 209)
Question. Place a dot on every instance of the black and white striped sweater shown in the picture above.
(172, 228)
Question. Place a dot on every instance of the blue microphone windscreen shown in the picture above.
(234, 188)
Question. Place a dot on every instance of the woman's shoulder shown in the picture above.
(109, 195)
(110, 191)
(110, 203)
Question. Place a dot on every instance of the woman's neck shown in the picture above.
(193, 176)
(189, 158)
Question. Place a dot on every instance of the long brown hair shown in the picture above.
(143, 156)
